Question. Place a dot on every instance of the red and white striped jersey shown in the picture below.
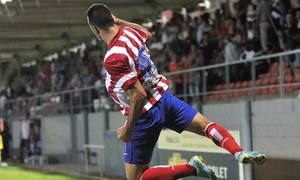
(128, 60)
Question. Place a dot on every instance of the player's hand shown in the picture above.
(124, 134)
(115, 18)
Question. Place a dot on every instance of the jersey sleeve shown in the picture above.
(121, 71)
(143, 34)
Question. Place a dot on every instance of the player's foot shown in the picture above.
(251, 157)
(202, 169)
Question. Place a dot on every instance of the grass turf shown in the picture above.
(16, 173)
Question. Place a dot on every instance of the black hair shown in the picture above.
(100, 16)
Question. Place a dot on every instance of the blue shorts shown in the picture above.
(169, 112)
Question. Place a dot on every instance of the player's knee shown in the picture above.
(201, 121)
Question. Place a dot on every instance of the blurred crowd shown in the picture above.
(249, 30)
(183, 39)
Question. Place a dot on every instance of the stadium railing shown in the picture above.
(280, 79)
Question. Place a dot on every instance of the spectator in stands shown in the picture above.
(175, 65)
(1, 139)
(190, 60)
(264, 22)
(162, 63)
(24, 136)
(251, 12)
(6, 138)
(3, 100)
(156, 44)
(207, 47)
(203, 26)
(282, 6)
(32, 138)
(233, 48)
(233, 43)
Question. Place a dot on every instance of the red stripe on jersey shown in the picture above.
(133, 42)
(144, 110)
(160, 89)
(151, 99)
(117, 67)
(142, 33)
(135, 34)
(129, 51)
(112, 93)
(163, 80)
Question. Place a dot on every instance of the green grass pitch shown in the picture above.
(16, 173)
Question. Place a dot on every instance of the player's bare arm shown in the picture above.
(122, 23)
(137, 96)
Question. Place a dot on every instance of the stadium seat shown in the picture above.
(211, 97)
(258, 82)
(274, 67)
(288, 79)
(296, 78)
(259, 91)
(274, 81)
(297, 71)
(266, 81)
(274, 74)
(244, 84)
(265, 90)
(274, 90)
(237, 85)
(289, 89)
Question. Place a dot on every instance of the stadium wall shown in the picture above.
(56, 135)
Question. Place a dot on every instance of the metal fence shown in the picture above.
(195, 87)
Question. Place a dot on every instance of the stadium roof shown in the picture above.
(30, 28)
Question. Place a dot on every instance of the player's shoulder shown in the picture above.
(116, 52)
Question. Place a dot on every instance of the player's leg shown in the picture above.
(221, 137)
(1, 148)
(169, 172)
(138, 151)
(177, 115)
(134, 171)
(138, 154)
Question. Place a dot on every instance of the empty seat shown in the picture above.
(288, 79)
(237, 85)
(274, 81)
(258, 82)
(296, 78)
(274, 67)
(289, 89)
(266, 81)
(219, 87)
(274, 90)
